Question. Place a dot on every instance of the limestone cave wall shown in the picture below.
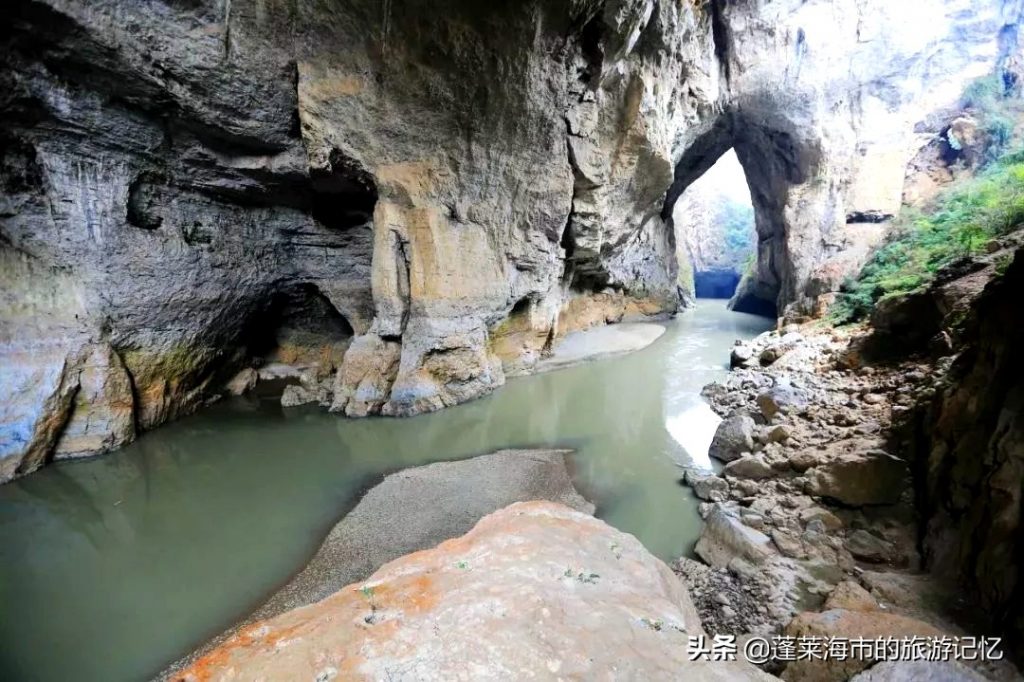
(438, 172)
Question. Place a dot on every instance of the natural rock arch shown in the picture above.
(157, 192)
(776, 163)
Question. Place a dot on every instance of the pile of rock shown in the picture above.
(310, 383)
(811, 497)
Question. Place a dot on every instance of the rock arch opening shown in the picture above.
(716, 240)
(776, 159)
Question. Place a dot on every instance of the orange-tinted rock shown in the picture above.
(852, 597)
(847, 625)
(535, 590)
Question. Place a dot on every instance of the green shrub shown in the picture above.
(995, 109)
(750, 265)
(965, 217)
(737, 221)
(984, 93)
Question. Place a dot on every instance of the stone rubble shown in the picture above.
(813, 509)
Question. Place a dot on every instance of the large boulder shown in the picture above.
(918, 671)
(707, 487)
(749, 466)
(734, 436)
(852, 597)
(858, 479)
(295, 395)
(725, 538)
(847, 625)
(869, 547)
(536, 590)
(781, 397)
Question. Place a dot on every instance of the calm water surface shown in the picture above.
(112, 567)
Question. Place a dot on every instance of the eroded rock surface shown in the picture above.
(534, 590)
(969, 442)
(423, 196)
(848, 625)
(417, 508)
(873, 463)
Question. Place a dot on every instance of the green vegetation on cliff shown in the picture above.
(737, 222)
(963, 218)
(995, 108)
(962, 221)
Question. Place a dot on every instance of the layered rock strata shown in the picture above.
(198, 187)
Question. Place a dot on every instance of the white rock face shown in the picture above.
(823, 102)
(455, 186)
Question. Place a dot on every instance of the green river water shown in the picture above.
(113, 567)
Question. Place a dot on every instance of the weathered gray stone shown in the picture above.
(779, 434)
(364, 381)
(102, 417)
(749, 466)
(724, 538)
(295, 395)
(734, 436)
(852, 597)
(857, 479)
(707, 486)
(243, 382)
(740, 355)
(845, 624)
(867, 546)
(418, 508)
(918, 671)
(42, 388)
(783, 396)
(829, 520)
(788, 544)
(521, 595)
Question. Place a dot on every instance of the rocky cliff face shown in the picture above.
(402, 189)
(825, 104)
(969, 447)
(714, 228)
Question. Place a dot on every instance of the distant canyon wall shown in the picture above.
(457, 183)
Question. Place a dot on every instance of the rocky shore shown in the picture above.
(533, 591)
(412, 510)
(818, 505)
(820, 523)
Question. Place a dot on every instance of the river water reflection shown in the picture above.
(112, 567)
